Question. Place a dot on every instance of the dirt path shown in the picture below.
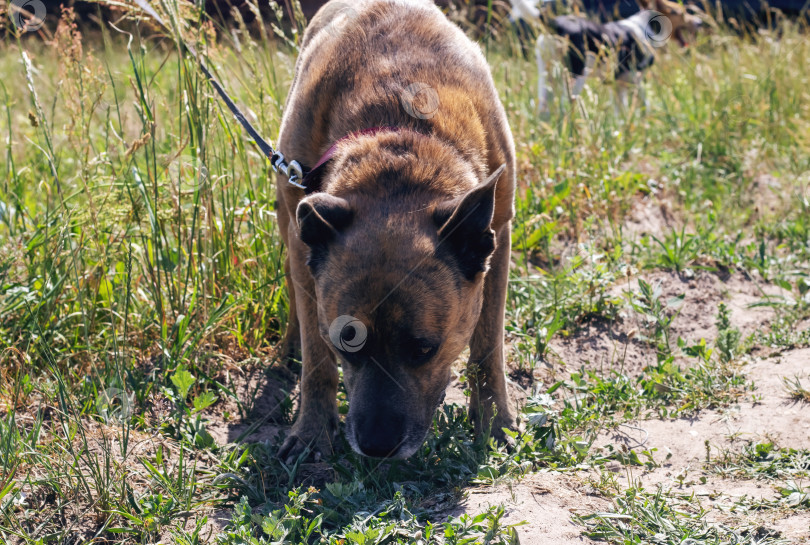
(546, 501)
(602, 346)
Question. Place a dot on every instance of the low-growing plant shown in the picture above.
(658, 315)
(796, 389)
(645, 517)
(728, 337)
(763, 461)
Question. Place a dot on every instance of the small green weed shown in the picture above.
(657, 314)
(796, 389)
(728, 337)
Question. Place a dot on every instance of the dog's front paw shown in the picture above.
(499, 430)
(317, 436)
(493, 422)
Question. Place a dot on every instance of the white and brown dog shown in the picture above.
(628, 46)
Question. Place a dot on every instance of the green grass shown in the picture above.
(141, 278)
(647, 517)
(764, 461)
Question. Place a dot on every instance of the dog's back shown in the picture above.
(584, 36)
(372, 81)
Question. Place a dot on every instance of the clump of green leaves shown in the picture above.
(795, 494)
(658, 315)
(187, 421)
(644, 517)
(300, 520)
(728, 337)
(796, 389)
(764, 461)
(678, 249)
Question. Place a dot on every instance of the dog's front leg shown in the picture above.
(620, 101)
(317, 423)
(642, 92)
(623, 84)
(579, 81)
(292, 337)
(544, 53)
(489, 402)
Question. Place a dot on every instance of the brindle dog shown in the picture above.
(398, 256)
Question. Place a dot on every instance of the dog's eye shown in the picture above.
(423, 351)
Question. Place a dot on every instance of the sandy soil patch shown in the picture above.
(603, 346)
(794, 527)
(545, 501)
(770, 416)
(648, 216)
(686, 444)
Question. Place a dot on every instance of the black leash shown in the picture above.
(293, 169)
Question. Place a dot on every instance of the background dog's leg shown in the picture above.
(622, 83)
(620, 102)
(576, 89)
(579, 82)
(543, 52)
(642, 92)
(485, 369)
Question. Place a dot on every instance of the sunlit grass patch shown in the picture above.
(649, 517)
(141, 272)
(763, 461)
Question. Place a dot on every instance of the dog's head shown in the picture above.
(399, 289)
(685, 21)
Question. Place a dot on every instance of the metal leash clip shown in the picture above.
(292, 170)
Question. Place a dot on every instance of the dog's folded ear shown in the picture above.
(465, 226)
(321, 217)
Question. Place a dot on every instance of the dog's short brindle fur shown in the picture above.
(409, 231)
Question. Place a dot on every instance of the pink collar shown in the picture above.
(312, 177)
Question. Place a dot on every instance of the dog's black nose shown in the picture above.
(380, 436)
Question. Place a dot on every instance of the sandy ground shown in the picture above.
(602, 346)
(545, 501)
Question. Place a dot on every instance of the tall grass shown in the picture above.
(138, 242)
